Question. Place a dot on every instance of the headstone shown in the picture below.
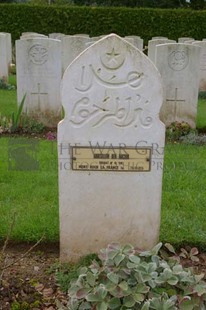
(178, 66)
(202, 63)
(130, 40)
(32, 35)
(81, 35)
(138, 42)
(152, 47)
(189, 41)
(183, 39)
(72, 46)
(157, 38)
(8, 47)
(4, 69)
(39, 76)
(109, 186)
(57, 36)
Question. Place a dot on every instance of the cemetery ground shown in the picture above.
(29, 211)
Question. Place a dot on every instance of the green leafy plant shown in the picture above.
(5, 124)
(177, 130)
(5, 85)
(16, 118)
(185, 253)
(66, 272)
(30, 125)
(126, 278)
(193, 138)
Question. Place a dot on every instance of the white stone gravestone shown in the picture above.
(178, 66)
(32, 35)
(109, 186)
(4, 69)
(56, 35)
(138, 42)
(202, 64)
(8, 47)
(152, 47)
(72, 46)
(39, 77)
(157, 38)
(81, 35)
(183, 39)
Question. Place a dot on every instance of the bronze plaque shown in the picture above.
(111, 159)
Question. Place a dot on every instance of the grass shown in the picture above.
(8, 99)
(201, 114)
(184, 199)
(31, 195)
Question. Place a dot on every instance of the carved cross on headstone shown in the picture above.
(176, 101)
(39, 94)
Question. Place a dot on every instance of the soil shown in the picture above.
(29, 283)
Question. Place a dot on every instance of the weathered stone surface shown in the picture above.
(111, 96)
(178, 66)
(39, 77)
(202, 64)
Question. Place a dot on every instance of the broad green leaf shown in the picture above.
(123, 285)
(145, 306)
(195, 259)
(102, 306)
(93, 297)
(177, 269)
(134, 259)
(85, 306)
(170, 248)
(82, 293)
(200, 289)
(131, 265)
(153, 251)
(128, 302)
(142, 288)
(118, 259)
(101, 292)
(82, 270)
(173, 280)
(91, 279)
(199, 277)
(138, 297)
(186, 305)
(112, 254)
(194, 251)
(128, 249)
(113, 277)
(114, 303)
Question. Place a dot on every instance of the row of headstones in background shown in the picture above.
(40, 62)
(109, 182)
(186, 40)
(72, 46)
(5, 55)
(42, 92)
(183, 69)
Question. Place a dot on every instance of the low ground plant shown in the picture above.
(127, 278)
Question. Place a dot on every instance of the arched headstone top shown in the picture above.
(111, 84)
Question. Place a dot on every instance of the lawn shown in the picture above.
(201, 114)
(32, 196)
